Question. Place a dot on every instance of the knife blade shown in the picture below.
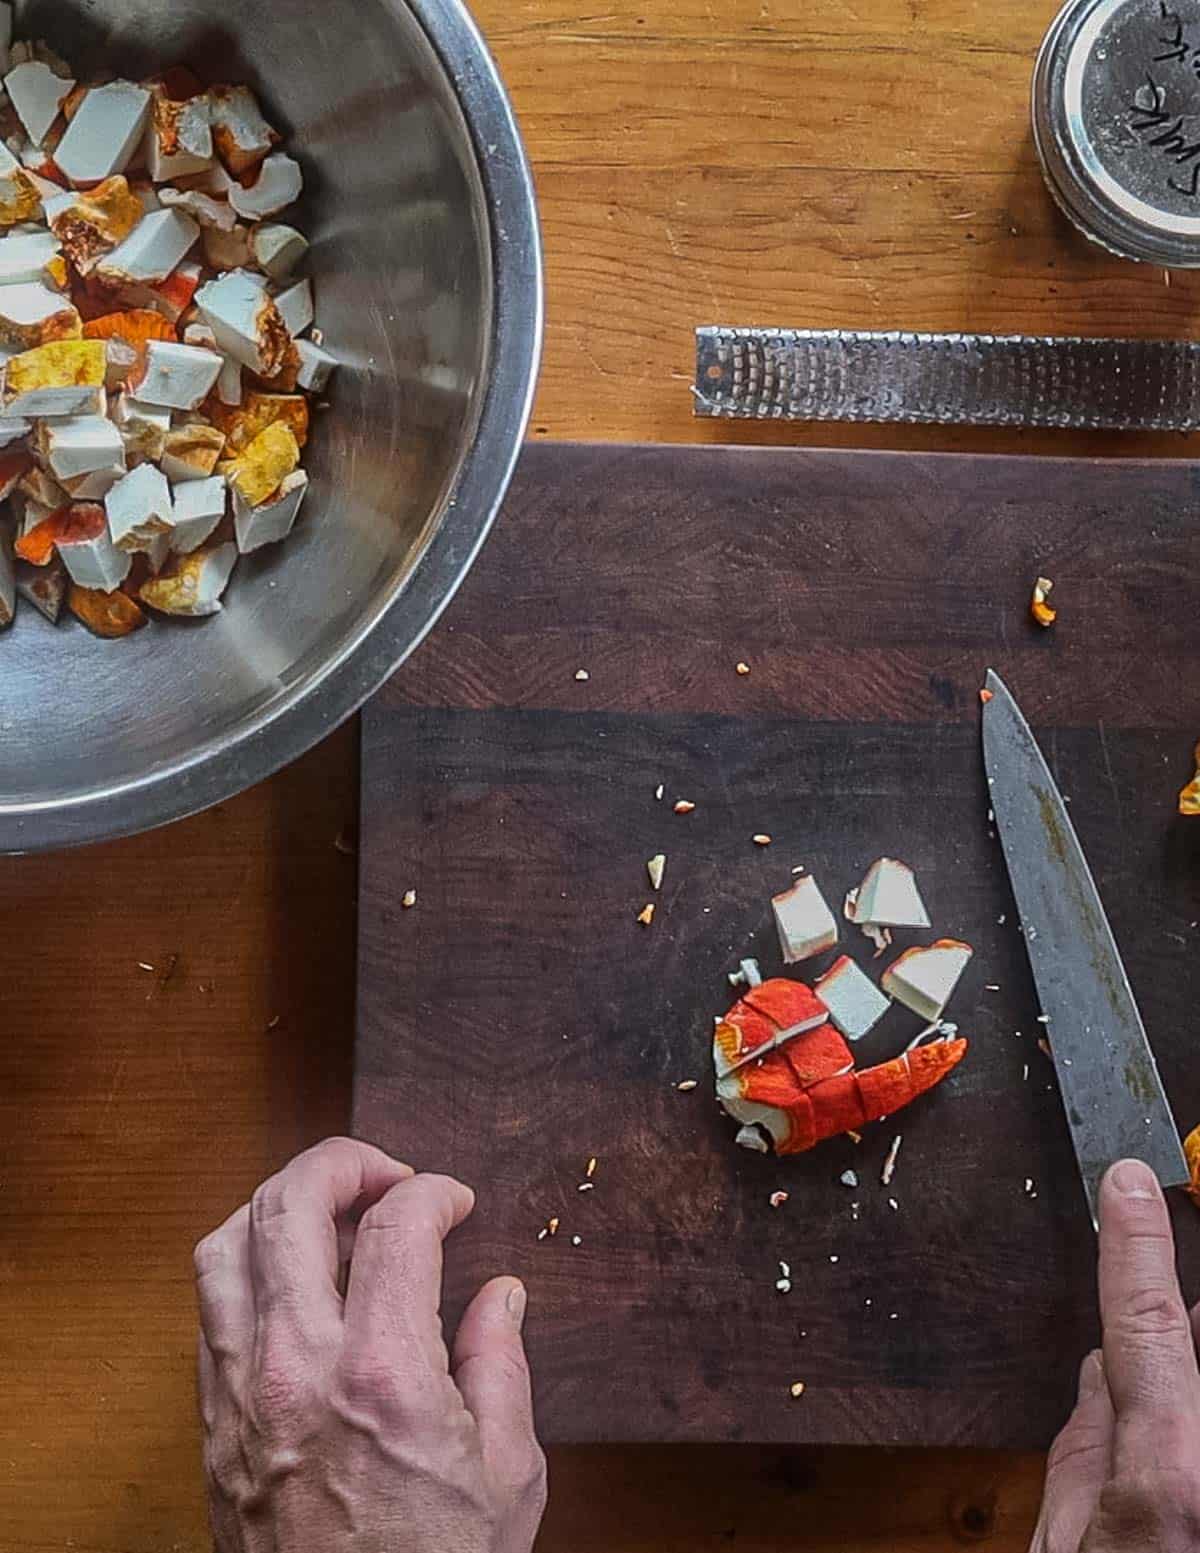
(1114, 1099)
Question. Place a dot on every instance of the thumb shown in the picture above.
(491, 1372)
(1079, 1465)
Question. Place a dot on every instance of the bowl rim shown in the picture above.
(467, 510)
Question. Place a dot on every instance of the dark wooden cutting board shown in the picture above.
(519, 1021)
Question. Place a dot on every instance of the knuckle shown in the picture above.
(1157, 1311)
(1156, 1508)
(210, 1254)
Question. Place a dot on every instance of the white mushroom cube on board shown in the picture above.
(37, 95)
(192, 585)
(805, 923)
(316, 367)
(65, 377)
(855, 1003)
(8, 578)
(140, 509)
(888, 897)
(32, 314)
(923, 979)
(278, 185)
(277, 248)
(105, 132)
(272, 520)
(45, 587)
(178, 137)
(155, 247)
(296, 307)
(241, 135)
(180, 376)
(91, 558)
(80, 444)
(24, 254)
(199, 507)
(144, 427)
(245, 320)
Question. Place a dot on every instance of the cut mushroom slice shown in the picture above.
(87, 551)
(37, 95)
(855, 1003)
(277, 248)
(192, 585)
(225, 251)
(155, 248)
(805, 923)
(45, 587)
(144, 427)
(25, 253)
(888, 897)
(296, 307)
(199, 507)
(32, 314)
(274, 519)
(766, 1017)
(261, 468)
(79, 445)
(192, 452)
(139, 509)
(209, 212)
(178, 376)
(96, 485)
(106, 612)
(243, 425)
(278, 185)
(924, 978)
(63, 378)
(246, 322)
(104, 133)
(179, 140)
(20, 199)
(316, 366)
(242, 137)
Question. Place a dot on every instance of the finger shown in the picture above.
(1149, 1354)
(224, 1288)
(295, 1219)
(490, 1368)
(1079, 1465)
(395, 1289)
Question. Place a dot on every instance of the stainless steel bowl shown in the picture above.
(426, 261)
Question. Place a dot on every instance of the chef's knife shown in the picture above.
(1114, 1098)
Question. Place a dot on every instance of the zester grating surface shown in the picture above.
(948, 379)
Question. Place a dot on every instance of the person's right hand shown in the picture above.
(337, 1422)
(1124, 1475)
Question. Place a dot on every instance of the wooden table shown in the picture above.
(759, 161)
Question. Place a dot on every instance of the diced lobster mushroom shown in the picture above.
(805, 923)
(296, 307)
(104, 133)
(80, 536)
(242, 137)
(178, 376)
(79, 445)
(109, 613)
(192, 584)
(274, 519)
(807, 1089)
(155, 247)
(199, 507)
(96, 485)
(258, 471)
(1191, 1151)
(855, 1003)
(192, 452)
(45, 587)
(241, 426)
(65, 377)
(37, 94)
(277, 248)
(19, 196)
(229, 383)
(316, 367)
(140, 509)
(887, 897)
(225, 251)
(25, 253)
(90, 224)
(279, 184)
(179, 137)
(41, 487)
(246, 322)
(923, 979)
(32, 314)
(8, 578)
(13, 430)
(1189, 796)
(144, 427)
(768, 1015)
(209, 212)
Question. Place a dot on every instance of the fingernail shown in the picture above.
(1134, 1179)
(1091, 1376)
(516, 1302)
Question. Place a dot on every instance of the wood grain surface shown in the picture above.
(521, 1020)
(875, 203)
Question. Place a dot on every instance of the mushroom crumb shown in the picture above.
(849, 1178)
(889, 1164)
(409, 900)
(743, 669)
(985, 696)
(687, 1086)
(658, 793)
(646, 915)
(777, 1199)
(552, 1226)
(582, 676)
(576, 1240)
(655, 867)
(591, 1167)
(797, 1388)
(1039, 608)
(761, 840)
(684, 806)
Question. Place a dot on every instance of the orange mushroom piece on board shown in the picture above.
(806, 1088)
(1189, 798)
